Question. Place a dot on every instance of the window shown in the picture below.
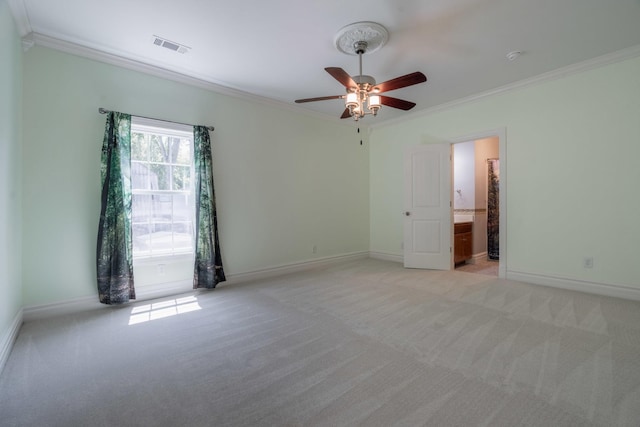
(163, 206)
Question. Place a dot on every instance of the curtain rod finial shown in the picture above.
(102, 110)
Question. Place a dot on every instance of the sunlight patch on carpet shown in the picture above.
(162, 309)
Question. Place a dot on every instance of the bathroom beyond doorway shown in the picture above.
(471, 199)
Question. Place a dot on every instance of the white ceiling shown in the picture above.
(278, 49)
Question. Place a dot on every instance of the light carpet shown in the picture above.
(361, 343)
(483, 266)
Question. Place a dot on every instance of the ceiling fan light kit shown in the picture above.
(363, 94)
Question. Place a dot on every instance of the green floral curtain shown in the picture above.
(208, 271)
(114, 251)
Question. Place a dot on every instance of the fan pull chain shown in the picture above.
(359, 132)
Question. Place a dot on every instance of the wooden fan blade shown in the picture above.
(400, 82)
(345, 114)
(342, 76)
(396, 103)
(321, 98)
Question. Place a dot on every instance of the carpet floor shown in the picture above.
(485, 266)
(361, 343)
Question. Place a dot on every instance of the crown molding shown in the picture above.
(98, 55)
(27, 42)
(590, 64)
(20, 16)
(157, 71)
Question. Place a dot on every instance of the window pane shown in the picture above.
(159, 149)
(182, 237)
(161, 237)
(141, 239)
(141, 208)
(140, 176)
(181, 177)
(183, 154)
(159, 179)
(163, 208)
(183, 208)
(139, 146)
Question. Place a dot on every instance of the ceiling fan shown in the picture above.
(362, 90)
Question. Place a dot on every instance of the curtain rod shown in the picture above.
(105, 111)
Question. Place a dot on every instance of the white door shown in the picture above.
(427, 207)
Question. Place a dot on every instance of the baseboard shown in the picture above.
(163, 290)
(293, 267)
(75, 305)
(6, 345)
(617, 291)
(88, 303)
(386, 257)
(482, 256)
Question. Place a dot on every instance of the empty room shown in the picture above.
(377, 213)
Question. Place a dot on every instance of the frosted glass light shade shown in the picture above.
(351, 100)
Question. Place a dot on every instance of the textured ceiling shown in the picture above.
(279, 49)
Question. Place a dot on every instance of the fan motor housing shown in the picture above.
(364, 82)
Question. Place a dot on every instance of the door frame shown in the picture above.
(501, 134)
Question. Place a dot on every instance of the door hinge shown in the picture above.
(450, 249)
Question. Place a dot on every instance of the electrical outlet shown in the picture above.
(160, 269)
(587, 262)
(314, 249)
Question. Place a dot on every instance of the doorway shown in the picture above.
(478, 203)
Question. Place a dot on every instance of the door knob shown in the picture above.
(407, 213)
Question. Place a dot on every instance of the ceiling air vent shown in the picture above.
(176, 47)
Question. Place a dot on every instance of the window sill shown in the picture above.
(164, 259)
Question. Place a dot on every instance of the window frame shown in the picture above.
(169, 129)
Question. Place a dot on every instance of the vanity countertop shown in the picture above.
(457, 218)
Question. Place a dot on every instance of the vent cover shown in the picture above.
(176, 47)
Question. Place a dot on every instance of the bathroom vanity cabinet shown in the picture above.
(462, 241)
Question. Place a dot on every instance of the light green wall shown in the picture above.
(573, 169)
(284, 181)
(10, 135)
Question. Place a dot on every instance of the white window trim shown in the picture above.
(164, 128)
(152, 125)
(162, 259)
